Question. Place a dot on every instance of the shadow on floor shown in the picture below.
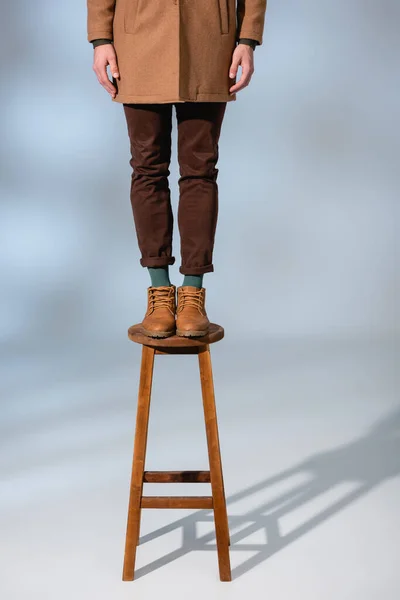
(366, 463)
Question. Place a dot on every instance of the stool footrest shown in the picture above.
(176, 477)
(177, 502)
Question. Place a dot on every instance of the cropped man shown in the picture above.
(183, 54)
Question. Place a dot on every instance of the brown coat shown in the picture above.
(175, 50)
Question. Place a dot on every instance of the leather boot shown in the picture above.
(191, 316)
(159, 320)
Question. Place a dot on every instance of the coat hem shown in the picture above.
(161, 99)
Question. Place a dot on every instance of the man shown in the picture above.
(182, 53)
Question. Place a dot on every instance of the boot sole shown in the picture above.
(158, 334)
(191, 333)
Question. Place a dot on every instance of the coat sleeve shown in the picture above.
(100, 17)
(250, 19)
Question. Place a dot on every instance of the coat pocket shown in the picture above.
(130, 15)
(224, 15)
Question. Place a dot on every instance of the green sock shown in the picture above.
(159, 276)
(195, 280)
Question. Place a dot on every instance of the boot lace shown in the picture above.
(191, 298)
(160, 297)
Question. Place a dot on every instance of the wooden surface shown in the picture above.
(139, 457)
(177, 502)
(214, 454)
(139, 476)
(176, 477)
(216, 333)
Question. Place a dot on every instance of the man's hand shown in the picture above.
(104, 55)
(243, 56)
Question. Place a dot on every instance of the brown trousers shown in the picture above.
(198, 131)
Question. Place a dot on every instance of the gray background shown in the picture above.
(305, 285)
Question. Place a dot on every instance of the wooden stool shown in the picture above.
(217, 501)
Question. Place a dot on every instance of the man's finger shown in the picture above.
(108, 86)
(242, 83)
(234, 67)
(104, 81)
(114, 68)
(244, 79)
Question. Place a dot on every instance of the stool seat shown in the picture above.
(176, 345)
(215, 333)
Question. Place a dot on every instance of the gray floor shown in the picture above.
(311, 453)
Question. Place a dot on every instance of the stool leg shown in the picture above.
(214, 454)
(138, 464)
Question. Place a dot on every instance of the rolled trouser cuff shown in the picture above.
(157, 261)
(187, 270)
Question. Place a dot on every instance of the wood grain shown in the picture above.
(176, 477)
(214, 453)
(138, 463)
(177, 502)
(217, 502)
